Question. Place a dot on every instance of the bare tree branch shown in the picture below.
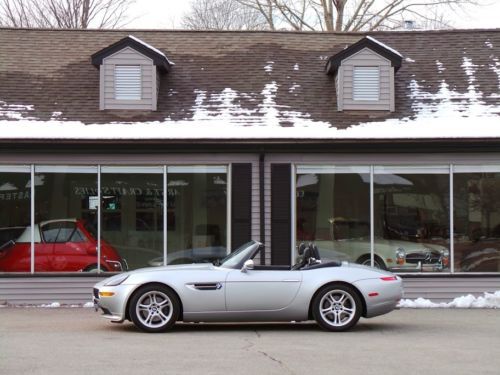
(355, 15)
(224, 15)
(74, 14)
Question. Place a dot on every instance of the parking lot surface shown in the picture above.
(78, 341)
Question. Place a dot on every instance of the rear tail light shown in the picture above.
(389, 278)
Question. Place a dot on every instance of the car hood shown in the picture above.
(177, 267)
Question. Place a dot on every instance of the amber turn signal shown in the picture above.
(106, 294)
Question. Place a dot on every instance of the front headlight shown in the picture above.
(400, 256)
(445, 257)
(116, 280)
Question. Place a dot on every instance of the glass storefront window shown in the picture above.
(476, 197)
(333, 211)
(196, 214)
(411, 208)
(132, 213)
(15, 218)
(66, 220)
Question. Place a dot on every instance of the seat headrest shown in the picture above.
(301, 249)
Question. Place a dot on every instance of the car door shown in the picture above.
(261, 289)
(65, 254)
(203, 288)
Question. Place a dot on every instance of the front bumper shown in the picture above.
(419, 267)
(113, 307)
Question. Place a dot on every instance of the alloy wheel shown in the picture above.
(154, 309)
(337, 308)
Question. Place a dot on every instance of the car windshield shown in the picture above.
(240, 255)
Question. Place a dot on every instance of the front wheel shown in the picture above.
(154, 308)
(337, 307)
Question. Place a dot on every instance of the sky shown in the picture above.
(167, 14)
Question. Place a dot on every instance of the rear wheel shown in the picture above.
(337, 307)
(154, 308)
(93, 269)
(365, 260)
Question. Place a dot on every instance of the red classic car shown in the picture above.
(67, 245)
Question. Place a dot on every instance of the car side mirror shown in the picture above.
(248, 265)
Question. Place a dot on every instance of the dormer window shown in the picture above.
(130, 75)
(364, 76)
(128, 82)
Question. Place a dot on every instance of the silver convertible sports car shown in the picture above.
(334, 294)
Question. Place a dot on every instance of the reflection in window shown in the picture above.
(132, 213)
(15, 203)
(411, 220)
(196, 216)
(64, 212)
(477, 221)
(333, 211)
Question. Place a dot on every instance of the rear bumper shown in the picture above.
(389, 293)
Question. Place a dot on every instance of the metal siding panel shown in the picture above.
(446, 289)
(256, 203)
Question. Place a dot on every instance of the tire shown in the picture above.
(337, 307)
(365, 260)
(154, 308)
(93, 269)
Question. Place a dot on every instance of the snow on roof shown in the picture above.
(447, 113)
(384, 45)
(149, 46)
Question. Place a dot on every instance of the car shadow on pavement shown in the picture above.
(264, 327)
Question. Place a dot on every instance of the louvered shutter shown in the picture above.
(241, 204)
(128, 85)
(366, 83)
(281, 214)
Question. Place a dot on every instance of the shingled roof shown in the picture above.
(249, 85)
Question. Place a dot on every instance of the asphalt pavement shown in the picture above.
(77, 341)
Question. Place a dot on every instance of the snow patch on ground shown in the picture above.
(487, 301)
(488, 44)
(410, 60)
(269, 67)
(296, 67)
(52, 305)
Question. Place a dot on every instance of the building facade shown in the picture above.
(121, 150)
